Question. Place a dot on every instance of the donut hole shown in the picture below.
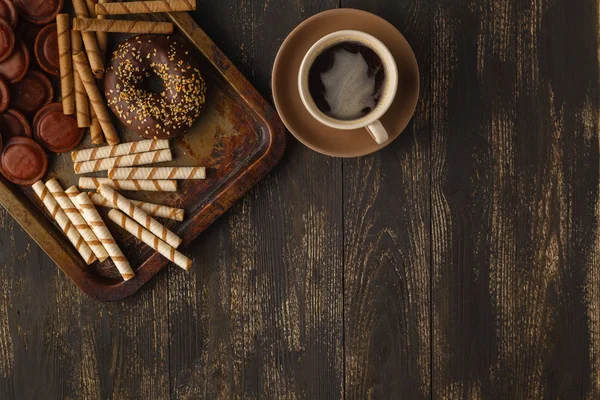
(154, 83)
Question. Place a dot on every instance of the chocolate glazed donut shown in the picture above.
(163, 113)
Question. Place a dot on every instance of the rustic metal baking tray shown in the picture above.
(239, 138)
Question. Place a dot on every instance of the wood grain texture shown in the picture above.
(39, 337)
(514, 178)
(558, 183)
(473, 81)
(55, 342)
(264, 315)
(387, 243)
(462, 261)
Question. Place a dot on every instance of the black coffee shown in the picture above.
(346, 80)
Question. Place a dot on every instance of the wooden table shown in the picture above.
(460, 262)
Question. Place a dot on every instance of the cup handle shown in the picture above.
(378, 132)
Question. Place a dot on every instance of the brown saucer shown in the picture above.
(31, 93)
(4, 96)
(46, 49)
(23, 161)
(39, 12)
(320, 138)
(15, 67)
(7, 40)
(55, 131)
(13, 123)
(8, 12)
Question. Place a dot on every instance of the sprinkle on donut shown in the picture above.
(154, 114)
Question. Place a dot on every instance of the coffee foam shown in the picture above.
(384, 89)
(348, 87)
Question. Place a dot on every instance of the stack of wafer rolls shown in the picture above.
(122, 160)
(151, 240)
(63, 222)
(75, 217)
(94, 221)
(139, 216)
(96, 99)
(154, 210)
(90, 41)
(103, 164)
(101, 37)
(86, 117)
(116, 158)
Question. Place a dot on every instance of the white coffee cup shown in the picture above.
(389, 86)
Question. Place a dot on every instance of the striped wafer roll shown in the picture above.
(155, 210)
(95, 128)
(145, 236)
(103, 164)
(90, 41)
(139, 216)
(63, 221)
(75, 217)
(148, 185)
(73, 192)
(158, 173)
(94, 221)
(140, 146)
(83, 69)
(102, 36)
(65, 63)
(121, 25)
(91, 7)
(82, 106)
(143, 7)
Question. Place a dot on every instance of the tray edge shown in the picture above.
(255, 172)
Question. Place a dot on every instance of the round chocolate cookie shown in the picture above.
(39, 12)
(54, 130)
(13, 123)
(14, 68)
(46, 49)
(4, 96)
(8, 12)
(153, 85)
(31, 93)
(23, 161)
(7, 40)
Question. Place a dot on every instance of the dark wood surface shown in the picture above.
(462, 261)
